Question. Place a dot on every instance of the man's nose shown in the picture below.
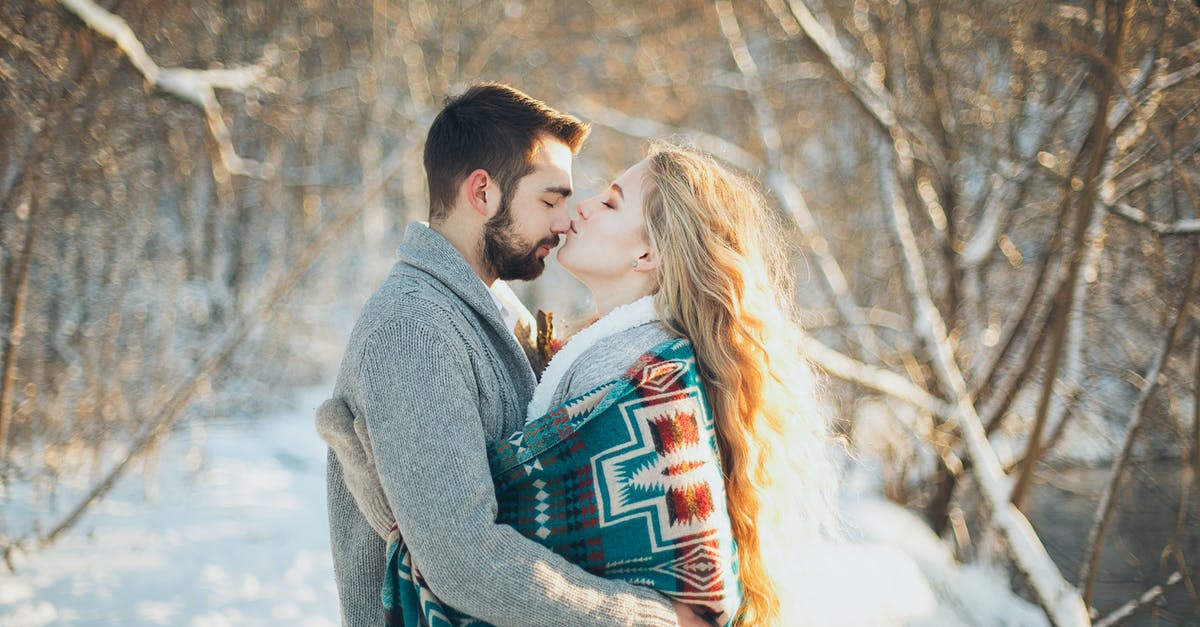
(562, 221)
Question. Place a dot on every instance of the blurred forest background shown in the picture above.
(995, 207)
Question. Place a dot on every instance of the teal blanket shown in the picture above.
(624, 481)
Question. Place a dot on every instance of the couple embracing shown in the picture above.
(627, 485)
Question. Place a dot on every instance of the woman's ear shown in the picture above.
(482, 192)
(647, 262)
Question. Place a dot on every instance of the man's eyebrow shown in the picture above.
(620, 191)
(565, 192)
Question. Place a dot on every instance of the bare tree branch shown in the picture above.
(646, 128)
(1095, 544)
(1145, 119)
(1111, 194)
(1093, 162)
(986, 232)
(788, 191)
(194, 86)
(1147, 101)
(1119, 615)
(1000, 400)
(1021, 317)
(1067, 343)
(19, 42)
(16, 331)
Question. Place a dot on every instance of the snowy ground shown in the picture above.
(232, 531)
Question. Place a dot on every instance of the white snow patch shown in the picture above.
(34, 614)
(890, 569)
(232, 530)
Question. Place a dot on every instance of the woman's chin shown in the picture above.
(567, 258)
(572, 269)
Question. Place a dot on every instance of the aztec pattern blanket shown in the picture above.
(624, 481)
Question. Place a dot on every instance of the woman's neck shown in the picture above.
(609, 297)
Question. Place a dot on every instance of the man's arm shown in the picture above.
(418, 397)
(358, 555)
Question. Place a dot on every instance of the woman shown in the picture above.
(661, 437)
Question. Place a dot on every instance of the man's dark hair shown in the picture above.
(491, 127)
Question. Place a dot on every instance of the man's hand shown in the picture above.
(686, 617)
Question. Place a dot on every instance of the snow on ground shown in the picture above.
(890, 569)
(236, 534)
(233, 531)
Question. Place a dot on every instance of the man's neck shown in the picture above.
(467, 245)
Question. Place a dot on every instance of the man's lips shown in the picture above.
(547, 245)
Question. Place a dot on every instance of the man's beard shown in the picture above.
(505, 254)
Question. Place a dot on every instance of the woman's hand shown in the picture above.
(686, 617)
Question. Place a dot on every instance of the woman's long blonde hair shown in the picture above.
(724, 283)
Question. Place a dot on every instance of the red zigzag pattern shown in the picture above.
(672, 433)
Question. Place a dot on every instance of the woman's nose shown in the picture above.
(583, 213)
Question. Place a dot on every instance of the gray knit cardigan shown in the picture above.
(434, 376)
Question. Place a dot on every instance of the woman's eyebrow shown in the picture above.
(620, 192)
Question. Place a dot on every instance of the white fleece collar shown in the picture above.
(626, 316)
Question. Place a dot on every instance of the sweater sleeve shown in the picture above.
(418, 399)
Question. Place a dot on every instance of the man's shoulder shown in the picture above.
(408, 307)
(413, 299)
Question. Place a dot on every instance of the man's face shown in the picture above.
(517, 240)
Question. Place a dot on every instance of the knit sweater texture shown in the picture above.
(434, 376)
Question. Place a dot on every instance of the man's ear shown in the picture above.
(482, 192)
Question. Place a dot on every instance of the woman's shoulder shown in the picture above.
(619, 350)
(610, 357)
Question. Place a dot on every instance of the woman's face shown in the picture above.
(608, 232)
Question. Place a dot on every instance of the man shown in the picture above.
(435, 373)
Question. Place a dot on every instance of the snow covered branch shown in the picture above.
(1119, 615)
(878, 379)
(194, 86)
(1060, 600)
(871, 95)
(1137, 216)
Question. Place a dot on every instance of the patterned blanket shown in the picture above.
(624, 481)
